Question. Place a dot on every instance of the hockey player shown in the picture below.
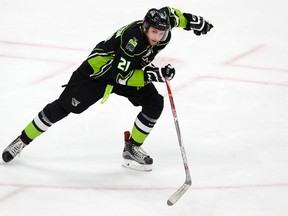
(121, 65)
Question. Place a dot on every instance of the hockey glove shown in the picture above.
(155, 74)
(197, 23)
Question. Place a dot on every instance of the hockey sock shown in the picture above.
(51, 113)
(35, 128)
(142, 127)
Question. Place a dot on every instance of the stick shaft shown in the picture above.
(176, 196)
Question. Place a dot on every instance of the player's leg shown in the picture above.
(152, 106)
(78, 95)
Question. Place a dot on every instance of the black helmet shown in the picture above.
(157, 19)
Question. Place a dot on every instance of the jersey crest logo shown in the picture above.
(132, 43)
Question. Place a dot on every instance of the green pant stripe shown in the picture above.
(138, 136)
(31, 131)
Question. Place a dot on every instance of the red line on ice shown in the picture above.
(42, 45)
(242, 55)
(232, 62)
(13, 193)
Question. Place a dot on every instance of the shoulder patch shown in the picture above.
(132, 43)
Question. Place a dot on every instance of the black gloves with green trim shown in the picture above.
(197, 23)
(156, 74)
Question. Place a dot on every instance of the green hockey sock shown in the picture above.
(36, 127)
(142, 127)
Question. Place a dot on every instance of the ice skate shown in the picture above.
(135, 157)
(13, 149)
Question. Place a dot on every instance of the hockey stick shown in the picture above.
(178, 194)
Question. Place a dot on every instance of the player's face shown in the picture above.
(154, 35)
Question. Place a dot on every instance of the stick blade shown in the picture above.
(178, 194)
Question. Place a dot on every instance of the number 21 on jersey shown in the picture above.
(123, 64)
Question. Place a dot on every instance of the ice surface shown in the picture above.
(231, 96)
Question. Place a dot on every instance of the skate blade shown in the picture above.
(131, 164)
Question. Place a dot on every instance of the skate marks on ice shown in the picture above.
(15, 189)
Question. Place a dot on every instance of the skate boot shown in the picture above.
(13, 149)
(134, 156)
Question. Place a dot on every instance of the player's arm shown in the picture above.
(126, 72)
(188, 21)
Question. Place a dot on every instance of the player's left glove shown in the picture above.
(155, 74)
(197, 23)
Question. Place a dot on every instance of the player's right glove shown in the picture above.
(197, 23)
(155, 74)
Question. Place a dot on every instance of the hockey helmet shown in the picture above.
(157, 19)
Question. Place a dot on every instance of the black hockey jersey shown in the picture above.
(122, 57)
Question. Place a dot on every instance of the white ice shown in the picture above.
(231, 96)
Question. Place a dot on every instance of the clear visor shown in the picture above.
(146, 26)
